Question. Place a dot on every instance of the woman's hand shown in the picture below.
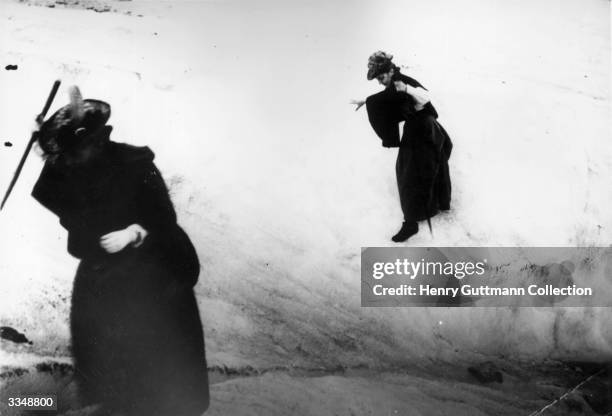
(116, 241)
(421, 96)
(358, 103)
(400, 86)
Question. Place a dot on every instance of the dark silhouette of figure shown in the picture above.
(422, 171)
(137, 338)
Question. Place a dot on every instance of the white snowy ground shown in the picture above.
(279, 182)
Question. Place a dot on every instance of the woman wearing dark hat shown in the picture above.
(137, 338)
(424, 149)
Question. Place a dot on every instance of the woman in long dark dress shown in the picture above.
(137, 338)
(421, 169)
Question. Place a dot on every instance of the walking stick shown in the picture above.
(33, 138)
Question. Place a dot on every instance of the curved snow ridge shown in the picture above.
(287, 290)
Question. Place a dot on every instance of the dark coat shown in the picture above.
(422, 170)
(137, 337)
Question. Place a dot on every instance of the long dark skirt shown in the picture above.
(137, 338)
(422, 171)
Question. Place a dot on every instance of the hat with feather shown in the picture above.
(72, 123)
(379, 63)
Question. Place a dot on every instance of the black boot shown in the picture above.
(408, 230)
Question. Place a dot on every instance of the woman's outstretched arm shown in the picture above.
(358, 103)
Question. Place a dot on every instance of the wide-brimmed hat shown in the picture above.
(379, 63)
(72, 122)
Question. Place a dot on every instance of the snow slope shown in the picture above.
(279, 182)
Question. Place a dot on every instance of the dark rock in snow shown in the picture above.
(10, 334)
(54, 368)
(14, 372)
